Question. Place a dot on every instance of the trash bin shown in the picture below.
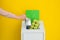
(33, 34)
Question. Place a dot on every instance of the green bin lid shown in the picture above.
(32, 14)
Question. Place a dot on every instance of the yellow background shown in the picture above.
(10, 28)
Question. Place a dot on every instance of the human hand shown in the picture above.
(23, 17)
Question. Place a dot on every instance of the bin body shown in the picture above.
(33, 34)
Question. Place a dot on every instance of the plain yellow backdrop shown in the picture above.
(10, 29)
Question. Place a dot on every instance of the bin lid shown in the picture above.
(32, 14)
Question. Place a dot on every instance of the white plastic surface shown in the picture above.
(32, 34)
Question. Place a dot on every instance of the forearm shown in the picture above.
(7, 14)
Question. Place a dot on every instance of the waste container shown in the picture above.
(33, 34)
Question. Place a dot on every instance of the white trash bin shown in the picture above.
(33, 34)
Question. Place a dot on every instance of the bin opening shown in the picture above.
(34, 25)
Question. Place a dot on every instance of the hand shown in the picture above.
(23, 17)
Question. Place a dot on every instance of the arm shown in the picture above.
(7, 14)
(10, 15)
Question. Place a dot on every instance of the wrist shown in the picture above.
(17, 17)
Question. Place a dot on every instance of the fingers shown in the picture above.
(23, 17)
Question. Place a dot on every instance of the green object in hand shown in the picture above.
(32, 14)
